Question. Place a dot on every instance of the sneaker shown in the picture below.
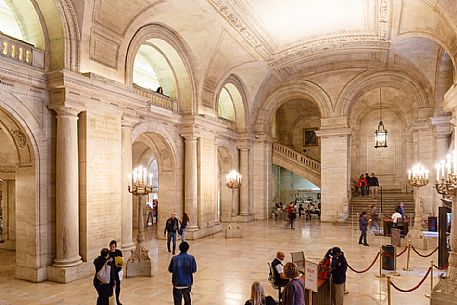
(366, 245)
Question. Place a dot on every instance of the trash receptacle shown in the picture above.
(433, 223)
(388, 257)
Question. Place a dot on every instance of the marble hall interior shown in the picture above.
(230, 108)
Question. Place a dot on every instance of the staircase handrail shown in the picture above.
(298, 157)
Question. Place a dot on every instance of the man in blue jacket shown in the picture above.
(182, 267)
(339, 267)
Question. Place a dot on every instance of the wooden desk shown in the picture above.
(387, 222)
(322, 296)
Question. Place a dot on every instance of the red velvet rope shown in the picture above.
(414, 288)
(421, 255)
(437, 267)
(363, 271)
(398, 255)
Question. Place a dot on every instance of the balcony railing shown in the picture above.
(21, 51)
(292, 154)
(157, 99)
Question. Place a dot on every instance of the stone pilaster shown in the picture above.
(245, 214)
(126, 197)
(335, 173)
(262, 172)
(67, 193)
(190, 180)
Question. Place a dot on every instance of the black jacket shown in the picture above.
(339, 267)
(172, 225)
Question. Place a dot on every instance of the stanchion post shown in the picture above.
(389, 301)
(395, 273)
(428, 295)
(380, 275)
(407, 258)
(310, 297)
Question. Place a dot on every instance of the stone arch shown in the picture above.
(235, 87)
(31, 198)
(298, 90)
(226, 163)
(429, 16)
(373, 79)
(62, 33)
(159, 142)
(171, 45)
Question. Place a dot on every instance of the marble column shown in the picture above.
(444, 291)
(126, 197)
(67, 193)
(190, 180)
(244, 187)
(335, 173)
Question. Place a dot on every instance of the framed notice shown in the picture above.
(311, 275)
(309, 137)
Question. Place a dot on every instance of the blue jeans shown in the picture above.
(183, 234)
(171, 236)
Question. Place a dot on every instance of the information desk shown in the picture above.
(388, 226)
(322, 296)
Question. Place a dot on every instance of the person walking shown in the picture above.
(361, 182)
(171, 228)
(117, 261)
(294, 293)
(183, 226)
(182, 267)
(291, 215)
(339, 267)
(367, 184)
(374, 217)
(258, 296)
(363, 226)
(104, 289)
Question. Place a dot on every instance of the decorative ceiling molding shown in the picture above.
(305, 48)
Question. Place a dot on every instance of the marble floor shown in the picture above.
(227, 268)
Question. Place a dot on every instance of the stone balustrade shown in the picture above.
(21, 51)
(157, 99)
(292, 154)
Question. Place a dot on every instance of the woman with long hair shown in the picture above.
(258, 296)
(183, 226)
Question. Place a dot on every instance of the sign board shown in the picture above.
(395, 237)
(311, 271)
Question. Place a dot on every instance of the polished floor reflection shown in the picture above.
(227, 267)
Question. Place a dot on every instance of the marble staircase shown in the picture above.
(297, 163)
(390, 200)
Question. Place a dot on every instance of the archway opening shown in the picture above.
(18, 193)
(230, 106)
(152, 151)
(225, 205)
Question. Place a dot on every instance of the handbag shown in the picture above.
(121, 275)
(119, 261)
(104, 274)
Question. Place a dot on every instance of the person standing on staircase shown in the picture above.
(367, 184)
(374, 185)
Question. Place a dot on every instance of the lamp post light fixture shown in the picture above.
(446, 185)
(233, 181)
(380, 135)
(139, 262)
(417, 178)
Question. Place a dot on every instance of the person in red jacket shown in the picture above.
(362, 183)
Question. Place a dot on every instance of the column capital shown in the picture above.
(66, 111)
(189, 136)
(127, 121)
